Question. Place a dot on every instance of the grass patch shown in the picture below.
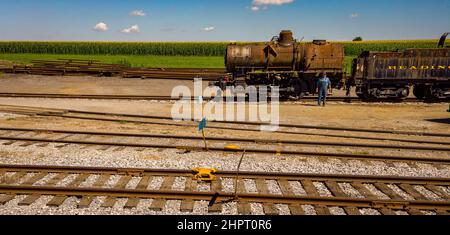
(134, 61)
(141, 61)
(348, 60)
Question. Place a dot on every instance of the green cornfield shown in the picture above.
(116, 48)
(180, 48)
(355, 48)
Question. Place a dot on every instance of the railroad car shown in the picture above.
(392, 74)
(292, 66)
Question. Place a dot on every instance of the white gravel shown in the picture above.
(376, 192)
(401, 213)
(366, 211)
(230, 208)
(283, 209)
(67, 180)
(297, 188)
(400, 192)
(273, 187)
(228, 185)
(337, 211)
(132, 184)
(112, 181)
(75, 155)
(309, 210)
(349, 190)
(44, 180)
(155, 183)
(257, 208)
(427, 193)
(201, 207)
(179, 183)
(428, 212)
(89, 181)
(322, 189)
(250, 186)
(445, 189)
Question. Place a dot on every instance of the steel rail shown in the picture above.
(221, 197)
(169, 98)
(248, 123)
(105, 97)
(256, 151)
(137, 97)
(284, 125)
(249, 140)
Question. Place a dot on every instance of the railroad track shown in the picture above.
(15, 131)
(119, 141)
(156, 120)
(295, 194)
(151, 119)
(169, 98)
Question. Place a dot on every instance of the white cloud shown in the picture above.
(101, 27)
(137, 13)
(262, 4)
(255, 8)
(354, 15)
(271, 2)
(208, 29)
(132, 29)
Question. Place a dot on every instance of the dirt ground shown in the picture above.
(408, 116)
(86, 85)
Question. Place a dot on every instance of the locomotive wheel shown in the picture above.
(419, 91)
(364, 94)
(297, 87)
(298, 97)
(361, 96)
(434, 94)
(430, 94)
(403, 93)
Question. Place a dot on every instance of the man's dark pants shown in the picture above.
(323, 93)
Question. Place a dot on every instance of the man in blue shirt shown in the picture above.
(323, 85)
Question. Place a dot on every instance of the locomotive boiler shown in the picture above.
(292, 66)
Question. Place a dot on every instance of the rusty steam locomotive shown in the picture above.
(285, 63)
(295, 67)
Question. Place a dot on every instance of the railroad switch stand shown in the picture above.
(204, 174)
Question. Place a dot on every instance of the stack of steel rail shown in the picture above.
(92, 67)
(68, 67)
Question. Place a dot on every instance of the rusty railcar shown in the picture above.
(393, 74)
(293, 67)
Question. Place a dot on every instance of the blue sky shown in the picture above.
(221, 20)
